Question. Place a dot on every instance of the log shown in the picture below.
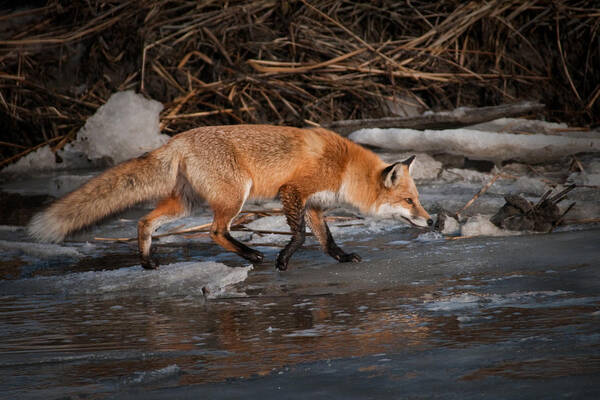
(460, 117)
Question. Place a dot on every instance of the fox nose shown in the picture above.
(429, 222)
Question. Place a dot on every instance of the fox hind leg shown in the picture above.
(224, 213)
(318, 226)
(169, 209)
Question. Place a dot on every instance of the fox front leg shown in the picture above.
(293, 207)
(317, 224)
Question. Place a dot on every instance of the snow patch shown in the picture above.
(480, 145)
(185, 278)
(480, 225)
(123, 128)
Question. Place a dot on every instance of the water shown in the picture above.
(421, 317)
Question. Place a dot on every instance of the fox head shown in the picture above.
(398, 197)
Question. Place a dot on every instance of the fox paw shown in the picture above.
(149, 263)
(281, 265)
(255, 257)
(352, 257)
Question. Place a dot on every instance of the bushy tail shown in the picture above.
(143, 178)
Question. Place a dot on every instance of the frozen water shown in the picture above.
(40, 250)
(477, 144)
(183, 278)
(123, 128)
(146, 377)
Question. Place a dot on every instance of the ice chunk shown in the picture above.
(123, 128)
(185, 278)
(40, 250)
(527, 185)
(447, 224)
(41, 159)
(478, 145)
(469, 175)
(146, 377)
(480, 225)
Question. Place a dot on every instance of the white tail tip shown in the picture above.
(44, 227)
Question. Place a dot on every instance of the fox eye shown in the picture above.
(409, 201)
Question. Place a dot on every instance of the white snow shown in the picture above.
(41, 250)
(510, 125)
(480, 225)
(183, 278)
(477, 144)
(451, 226)
(123, 128)
(529, 185)
(468, 175)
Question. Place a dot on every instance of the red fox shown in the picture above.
(309, 169)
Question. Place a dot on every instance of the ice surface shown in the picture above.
(358, 227)
(184, 278)
(532, 299)
(477, 144)
(146, 377)
(41, 250)
(123, 128)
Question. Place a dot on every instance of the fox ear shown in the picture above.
(409, 163)
(391, 174)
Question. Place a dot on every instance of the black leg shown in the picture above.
(321, 231)
(334, 251)
(293, 207)
(225, 239)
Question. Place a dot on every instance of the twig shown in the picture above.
(559, 220)
(481, 191)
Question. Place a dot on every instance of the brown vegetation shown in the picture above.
(290, 62)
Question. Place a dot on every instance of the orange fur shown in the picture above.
(226, 165)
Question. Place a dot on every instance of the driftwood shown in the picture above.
(518, 214)
(441, 120)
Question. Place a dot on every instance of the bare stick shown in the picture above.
(482, 191)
